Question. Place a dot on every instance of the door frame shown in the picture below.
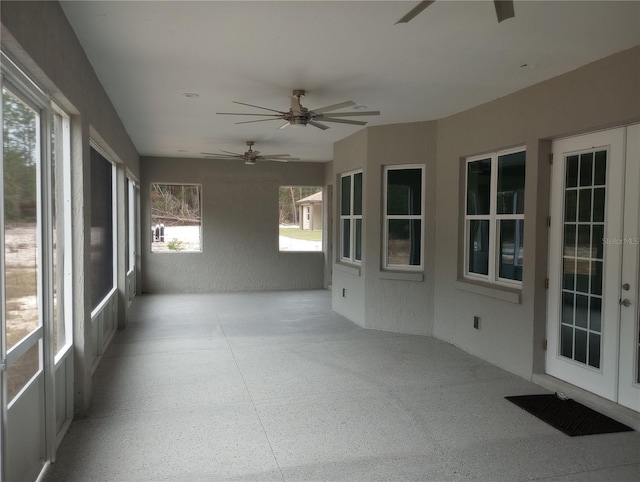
(603, 381)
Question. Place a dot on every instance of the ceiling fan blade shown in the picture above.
(259, 120)
(344, 121)
(329, 108)
(232, 153)
(277, 160)
(349, 114)
(318, 125)
(245, 113)
(258, 107)
(286, 124)
(223, 158)
(415, 11)
(213, 154)
(504, 9)
(278, 155)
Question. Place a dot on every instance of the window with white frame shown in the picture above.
(351, 217)
(300, 218)
(403, 217)
(494, 217)
(176, 218)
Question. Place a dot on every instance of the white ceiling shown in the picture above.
(451, 57)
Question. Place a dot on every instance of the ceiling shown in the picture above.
(451, 57)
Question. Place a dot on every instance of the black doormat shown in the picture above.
(567, 415)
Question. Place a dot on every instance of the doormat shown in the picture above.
(567, 415)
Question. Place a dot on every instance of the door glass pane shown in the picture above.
(511, 248)
(586, 169)
(23, 370)
(478, 246)
(570, 206)
(571, 179)
(599, 176)
(479, 186)
(20, 169)
(584, 228)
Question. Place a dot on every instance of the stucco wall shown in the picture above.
(512, 329)
(600, 95)
(348, 293)
(239, 228)
(397, 301)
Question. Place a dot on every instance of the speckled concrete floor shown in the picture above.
(275, 386)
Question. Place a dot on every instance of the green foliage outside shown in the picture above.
(175, 204)
(304, 234)
(20, 161)
(176, 245)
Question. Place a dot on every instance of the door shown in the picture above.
(592, 320)
(23, 390)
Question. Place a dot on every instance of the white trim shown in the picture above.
(493, 218)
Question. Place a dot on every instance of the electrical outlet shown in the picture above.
(476, 322)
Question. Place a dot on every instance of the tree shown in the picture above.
(288, 197)
(20, 158)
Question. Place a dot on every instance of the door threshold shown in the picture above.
(607, 407)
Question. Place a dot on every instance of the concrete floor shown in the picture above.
(275, 386)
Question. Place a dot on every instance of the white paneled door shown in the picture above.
(593, 315)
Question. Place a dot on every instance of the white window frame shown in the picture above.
(387, 217)
(64, 138)
(351, 218)
(493, 218)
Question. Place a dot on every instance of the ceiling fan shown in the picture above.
(298, 115)
(250, 157)
(504, 10)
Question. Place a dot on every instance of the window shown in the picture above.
(176, 218)
(300, 218)
(494, 216)
(102, 227)
(403, 217)
(351, 217)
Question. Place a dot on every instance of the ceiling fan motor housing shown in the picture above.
(298, 119)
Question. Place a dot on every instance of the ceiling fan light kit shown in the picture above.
(299, 116)
(250, 157)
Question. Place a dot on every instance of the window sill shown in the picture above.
(492, 291)
(348, 268)
(402, 275)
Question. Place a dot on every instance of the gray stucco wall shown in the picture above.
(597, 96)
(240, 248)
(600, 95)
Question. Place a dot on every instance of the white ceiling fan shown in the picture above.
(299, 115)
(504, 10)
(250, 157)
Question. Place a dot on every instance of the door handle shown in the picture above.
(626, 303)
